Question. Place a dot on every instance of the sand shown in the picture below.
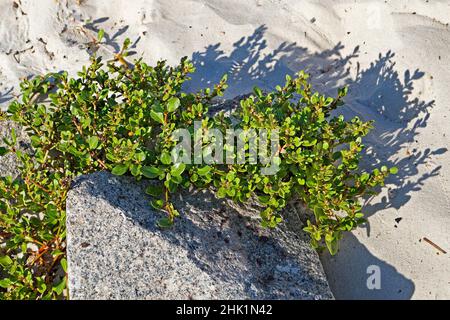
(394, 55)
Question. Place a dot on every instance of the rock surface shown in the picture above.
(8, 163)
(214, 251)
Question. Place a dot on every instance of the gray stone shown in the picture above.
(9, 163)
(214, 251)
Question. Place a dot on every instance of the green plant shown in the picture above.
(122, 118)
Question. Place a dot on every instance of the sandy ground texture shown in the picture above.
(394, 55)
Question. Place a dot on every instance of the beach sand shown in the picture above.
(394, 55)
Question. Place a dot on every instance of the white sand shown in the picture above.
(393, 54)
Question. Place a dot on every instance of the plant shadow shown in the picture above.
(248, 66)
(354, 261)
(109, 40)
(381, 91)
(6, 96)
(377, 92)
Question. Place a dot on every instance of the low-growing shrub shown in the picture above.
(123, 118)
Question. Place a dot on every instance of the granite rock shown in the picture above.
(214, 251)
(8, 162)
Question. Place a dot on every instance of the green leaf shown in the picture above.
(120, 169)
(364, 177)
(177, 169)
(64, 264)
(154, 190)
(165, 223)
(5, 261)
(309, 143)
(151, 172)
(157, 116)
(176, 179)
(13, 136)
(157, 204)
(126, 43)
(93, 142)
(41, 286)
(328, 101)
(166, 158)
(135, 170)
(170, 184)
(230, 176)
(264, 199)
(51, 214)
(100, 35)
(140, 156)
(173, 104)
(3, 151)
(157, 107)
(337, 155)
(343, 91)
(393, 170)
(258, 92)
(332, 244)
(221, 193)
(5, 283)
(231, 192)
(73, 150)
(204, 170)
(59, 288)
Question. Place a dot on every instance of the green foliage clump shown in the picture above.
(122, 118)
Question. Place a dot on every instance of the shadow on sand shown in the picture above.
(377, 93)
(6, 96)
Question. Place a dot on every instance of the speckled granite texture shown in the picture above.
(214, 251)
(8, 163)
